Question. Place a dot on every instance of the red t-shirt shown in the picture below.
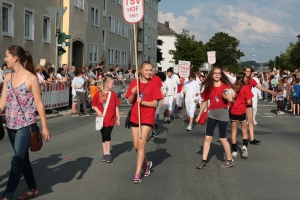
(239, 107)
(150, 92)
(219, 101)
(252, 84)
(110, 116)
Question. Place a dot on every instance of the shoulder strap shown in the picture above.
(19, 102)
(107, 103)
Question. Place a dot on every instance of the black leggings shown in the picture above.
(211, 125)
(106, 133)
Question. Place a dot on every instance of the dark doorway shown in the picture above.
(77, 53)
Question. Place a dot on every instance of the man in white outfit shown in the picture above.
(255, 92)
(170, 96)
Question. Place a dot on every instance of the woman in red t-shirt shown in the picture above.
(99, 102)
(150, 94)
(238, 113)
(214, 85)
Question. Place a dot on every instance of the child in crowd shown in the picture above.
(279, 100)
(237, 113)
(123, 91)
(93, 89)
(78, 84)
(99, 102)
(295, 96)
(192, 90)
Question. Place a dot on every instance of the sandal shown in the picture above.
(3, 198)
(29, 195)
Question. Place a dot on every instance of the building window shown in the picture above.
(111, 56)
(7, 19)
(118, 57)
(112, 24)
(79, 4)
(124, 58)
(94, 53)
(29, 25)
(46, 30)
(129, 47)
(125, 30)
(95, 16)
(146, 18)
(103, 39)
(145, 39)
(104, 8)
(120, 2)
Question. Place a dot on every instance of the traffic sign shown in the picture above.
(184, 68)
(133, 11)
(211, 57)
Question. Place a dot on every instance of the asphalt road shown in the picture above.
(69, 165)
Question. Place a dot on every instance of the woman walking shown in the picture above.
(100, 101)
(215, 83)
(237, 113)
(21, 91)
(150, 94)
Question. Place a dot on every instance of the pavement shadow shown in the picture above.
(119, 149)
(158, 156)
(47, 176)
(215, 150)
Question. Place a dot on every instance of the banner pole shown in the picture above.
(137, 77)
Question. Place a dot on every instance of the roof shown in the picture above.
(164, 30)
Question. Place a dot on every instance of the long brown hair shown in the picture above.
(208, 83)
(240, 81)
(25, 57)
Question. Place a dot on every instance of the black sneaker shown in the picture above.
(202, 165)
(154, 135)
(149, 138)
(104, 158)
(108, 158)
(254, 141)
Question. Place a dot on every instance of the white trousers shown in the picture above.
(169, 103)
(254, 104)
(190, 106)
(179, 100)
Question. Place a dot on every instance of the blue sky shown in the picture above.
(254, 23)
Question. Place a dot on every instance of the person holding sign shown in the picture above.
(150, 94)
(215, 83)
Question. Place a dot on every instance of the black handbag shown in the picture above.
(127, 121)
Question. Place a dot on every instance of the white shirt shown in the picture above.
(191, 89)
(231, 78)
(171, 87)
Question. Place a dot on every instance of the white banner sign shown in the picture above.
(211, 57)
(133, 10)
(184, 68)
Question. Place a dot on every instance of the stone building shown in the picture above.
(98, 31)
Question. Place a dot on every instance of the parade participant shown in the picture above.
(170, 97)
(237, 113)
(214, 84)
(149, 96)
(21, 91)
(99, 102)
(159, 79)
(252, 83)
(295, 96)
(279, 100)
(192, 90)
(80, 96)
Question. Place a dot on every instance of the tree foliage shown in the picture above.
(189, 49)
(295, 55)
(226, 47)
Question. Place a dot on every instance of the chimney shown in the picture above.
(298, 38)
(167, 24)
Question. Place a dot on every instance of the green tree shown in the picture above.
(226, 47)
(189, 49)
(295, 55)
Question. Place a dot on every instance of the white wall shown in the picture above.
(168, 44)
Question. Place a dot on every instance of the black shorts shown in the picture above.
(142, 124)
(211, 125)
(248, 106)
(239, 118)
(295, 100)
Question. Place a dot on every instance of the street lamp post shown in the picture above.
(283, 37)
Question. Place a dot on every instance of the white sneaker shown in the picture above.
(189, 128)
(255, 122)
(166, 119)
(282, 113)
(234, 154)
(278, 113)
(245, 152)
